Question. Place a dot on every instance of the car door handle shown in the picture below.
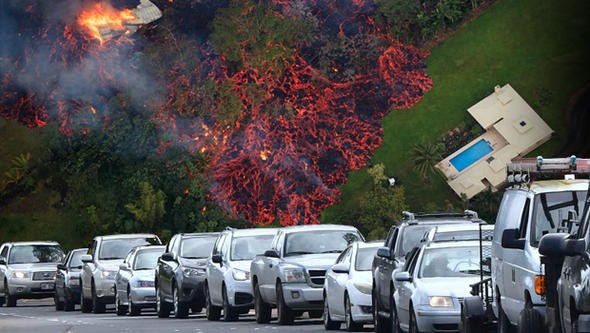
(270, 265)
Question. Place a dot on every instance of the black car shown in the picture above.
(67, 280)
(400, 241)
(181, 273)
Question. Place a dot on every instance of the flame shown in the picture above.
(101, 17)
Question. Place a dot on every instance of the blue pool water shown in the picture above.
(471, 155)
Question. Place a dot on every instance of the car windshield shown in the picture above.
(364, 258)
(551, 210)
(75, 261)
(197, 247)
(460, 261)
(246, 248)
(319, 241)
(147, 259)
(112, 249)
(28, 254)
(411, 238)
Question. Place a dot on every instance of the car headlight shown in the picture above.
(240, 275)
(74, 282)
(108, 274)
(294, 275)
(363, 286)
(440, 301)
(21, 275)
(145, 284)
(189, 272)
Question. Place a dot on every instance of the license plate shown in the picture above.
(47, 286)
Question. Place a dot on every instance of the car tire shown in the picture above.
(261, 308)
(394, 319)
(286, 316)
(530, 320)
(381, 324)
(229, 312)
(504, 325)
(213, 312)
(120, 309)
(10, 299)
(329, 324)
(59, 306)
(413, 324)
(162, 307)
(85, 306)
(351, 325)
(2, 300)
(133, 309)
(180, 308)
(97, 305)
(68, 303)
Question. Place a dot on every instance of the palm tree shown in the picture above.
(425, 157)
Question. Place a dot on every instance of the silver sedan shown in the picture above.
(134, 282)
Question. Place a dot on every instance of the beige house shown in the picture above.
(512, 129)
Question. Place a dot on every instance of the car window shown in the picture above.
(524, 219)
(319, 241)
(342, 256)
(147, 259)
(458, 261)
(410, 238)
(364, 258)
(75, 259)
(4, 252)
(112, 249)
(27, 254)
(550, 210)
(246, 248)
(197, 247)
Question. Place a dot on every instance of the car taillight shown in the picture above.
(540, 284)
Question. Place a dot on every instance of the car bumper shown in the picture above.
(300, 296)
(31, 289)
(105, 290)
(73, 293)
(193, 290)
(239, 294)
(145, 297)
(361, 307)
(438, 320)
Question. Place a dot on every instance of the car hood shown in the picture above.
(363, 276)
(452, 286)
(145, 274)
(196, 263)
(243, 265)
(110, 265)
(37, 267)
(313, 261)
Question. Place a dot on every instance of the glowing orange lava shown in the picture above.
(103, 18)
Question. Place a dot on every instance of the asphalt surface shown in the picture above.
(40, 316)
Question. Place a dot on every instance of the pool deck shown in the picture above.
(512, 128)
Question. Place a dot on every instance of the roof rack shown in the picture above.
(524, 170)
(467, 213)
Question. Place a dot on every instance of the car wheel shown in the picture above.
(504, 325)
(10, 299)
(97, 305)
(162, 307)
(261, 308)
(229, 312)
(329, 324)
(120, 309)
(180, 308)
(133, 309)
(68, 303)
(85, 306)
(285, 314)
(59, 306)
(351, 325)
(213, 312)
(530, 320)
(413, 323)
(381, 324)
(394, 319)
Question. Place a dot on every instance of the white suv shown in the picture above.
(228, 284)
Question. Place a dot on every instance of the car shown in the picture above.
(460, 232)
(135, 288)
(28, 270)
(290, 274)
(181, 272)
(347, 288)
(530, 208)
(227, 286)
(101, 265)
(67, 280)
(432, 283)
(400, 241)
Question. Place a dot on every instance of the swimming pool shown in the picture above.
(471, 155)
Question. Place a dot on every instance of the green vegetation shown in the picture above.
(538, 46)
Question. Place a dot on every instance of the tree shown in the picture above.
(401, 16)
(425, 157)
(149, 209)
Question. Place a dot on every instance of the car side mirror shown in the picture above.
(510, 239)
(124, 266)
(271, 253)
(384, 252)
(342, 267)
(61, 266)
(216, 258)
(402, 276)
(86, 258)
(167, 256)
(560, 244)
(2, 261)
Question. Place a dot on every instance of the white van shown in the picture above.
(527, 212)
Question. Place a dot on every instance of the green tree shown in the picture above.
(425, 157)
(149, 209)
(401, 16)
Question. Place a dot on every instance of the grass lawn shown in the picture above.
(538, 46)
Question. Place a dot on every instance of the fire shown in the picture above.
(103, 18)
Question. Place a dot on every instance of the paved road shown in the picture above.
(39, 316)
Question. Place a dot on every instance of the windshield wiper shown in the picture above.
(332, 251)
(194, 257)
(110, 258)
(295, 253)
